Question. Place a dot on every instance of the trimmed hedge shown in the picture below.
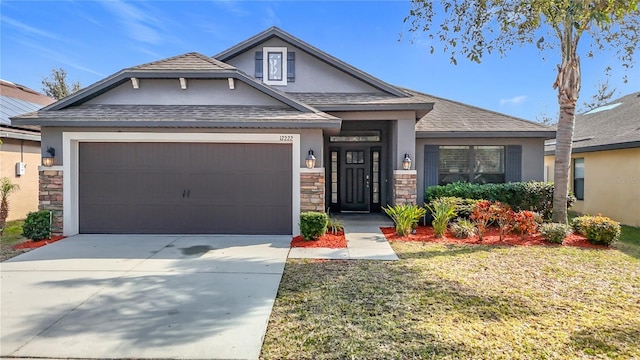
(313, 224)
(554, 232)
(598, 229)
(532, 196)
(37, 225)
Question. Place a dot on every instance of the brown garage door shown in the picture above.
(185, 188)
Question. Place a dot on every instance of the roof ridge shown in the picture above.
(195, 54)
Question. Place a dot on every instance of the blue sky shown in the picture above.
(94, 39)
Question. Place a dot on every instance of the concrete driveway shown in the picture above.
(141, 296)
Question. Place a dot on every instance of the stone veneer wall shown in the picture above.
(51, 196)
(405, 184)
(312, 187)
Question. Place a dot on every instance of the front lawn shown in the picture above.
(462, 301)
(11, 236)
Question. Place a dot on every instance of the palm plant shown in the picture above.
(6, 188)
(405, 217)
(442, 213)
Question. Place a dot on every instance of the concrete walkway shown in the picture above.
(365, 241)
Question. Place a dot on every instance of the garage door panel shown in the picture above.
(185, 188)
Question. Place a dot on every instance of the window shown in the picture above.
(578, 178)
(476, 164)
(356, 136)
(277, 63)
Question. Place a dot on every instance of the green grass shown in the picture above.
(470, 302)
(13, 233)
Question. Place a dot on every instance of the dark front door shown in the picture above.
(355, 179)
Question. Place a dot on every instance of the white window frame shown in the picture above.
(265, 65)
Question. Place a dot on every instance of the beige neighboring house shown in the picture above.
(605, 162)
(20, 148)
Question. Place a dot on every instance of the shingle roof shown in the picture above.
(182, 115)
(192, 61)
(379, 98)
(449, 117)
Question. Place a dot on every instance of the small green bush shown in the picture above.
(313, 224)
(463, 228)
(37, 225)
(598, 229)
(579, 224)
(442, 213)
(554, 232)
(334, 225)
(532, 196)
(405, 217)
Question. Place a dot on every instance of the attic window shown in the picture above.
(275, 66)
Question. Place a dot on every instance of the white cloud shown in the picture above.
(516, 100)
(139, 23)
(30, 30)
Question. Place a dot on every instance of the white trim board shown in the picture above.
(70, 141)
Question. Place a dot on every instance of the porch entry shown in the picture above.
(355, 179)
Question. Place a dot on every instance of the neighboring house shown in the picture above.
(197, 144)
(605, 161)
(20, 147)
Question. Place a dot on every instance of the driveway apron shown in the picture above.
(141, 296)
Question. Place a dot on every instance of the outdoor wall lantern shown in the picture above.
(406, 163)
(47, 158)
(310, 161)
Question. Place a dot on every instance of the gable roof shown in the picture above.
(189, 65)
(454, 119)
(615, 125)
(323, 56)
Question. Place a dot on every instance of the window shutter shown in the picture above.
(431, 165)
(291, 66)
(513, 163)
(258, 64)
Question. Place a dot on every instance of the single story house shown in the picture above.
(20, 146)
(605, 161)
(242, 142)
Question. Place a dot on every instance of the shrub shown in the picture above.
(601, 230)
(525, 223)
(313, 224)
(481, 217)
(463, 228)
(503, 216)
(463, 207)
(37, 225)
(334, 225)
(533, 196)
(554, 232)
(579, 224)
(442, 213)
(405, 217)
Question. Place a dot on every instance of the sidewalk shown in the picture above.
(365, 241)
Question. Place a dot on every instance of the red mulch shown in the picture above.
(327, 240)
(491, 237)
(31, 244)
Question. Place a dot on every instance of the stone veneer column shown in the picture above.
(405, 184)
(51, 195)
(312, 187)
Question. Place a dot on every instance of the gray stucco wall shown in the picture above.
(309, 138)
(532, 155)
(312, 75)
(198, 92)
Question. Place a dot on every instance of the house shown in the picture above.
(242, 142)
(605, 161)
(20, 146)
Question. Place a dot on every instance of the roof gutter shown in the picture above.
(484, 134)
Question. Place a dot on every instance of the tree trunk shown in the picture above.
(568, 85)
